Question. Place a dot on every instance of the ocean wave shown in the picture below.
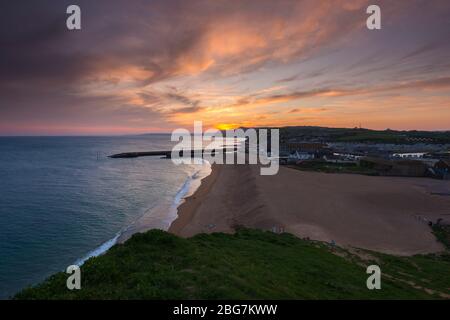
(99, 250)
(191, 184)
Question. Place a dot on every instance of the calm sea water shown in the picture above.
(62, 199)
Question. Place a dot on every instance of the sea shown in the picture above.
(63, 200)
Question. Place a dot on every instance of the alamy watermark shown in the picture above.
(73, 22)
(373, 22)
(374, 280)
(252, 146)
(74, 280)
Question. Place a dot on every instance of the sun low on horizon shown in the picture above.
(138, 66)
(226, 126)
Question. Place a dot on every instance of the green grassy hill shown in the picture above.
(250, 264)
(362, 135)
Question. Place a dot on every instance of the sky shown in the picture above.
(141, 66)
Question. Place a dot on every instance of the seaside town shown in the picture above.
(401, 156)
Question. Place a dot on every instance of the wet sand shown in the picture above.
(386, 214)
(188, 209)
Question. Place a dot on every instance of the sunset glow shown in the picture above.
(227, 126)
(159, 65)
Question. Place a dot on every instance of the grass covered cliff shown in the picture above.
(249, 264)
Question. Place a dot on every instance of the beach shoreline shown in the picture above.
(186, 210)
(162, 217)
(384, 214)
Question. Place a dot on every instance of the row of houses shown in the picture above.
(299, 151)
(401, 164)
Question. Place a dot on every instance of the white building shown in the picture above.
(298, 155)
(410, 155)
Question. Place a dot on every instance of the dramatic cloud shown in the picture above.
(140, 66)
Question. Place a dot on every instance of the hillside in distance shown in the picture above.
(362, 135)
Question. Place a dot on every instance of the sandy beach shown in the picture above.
(386, 214)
